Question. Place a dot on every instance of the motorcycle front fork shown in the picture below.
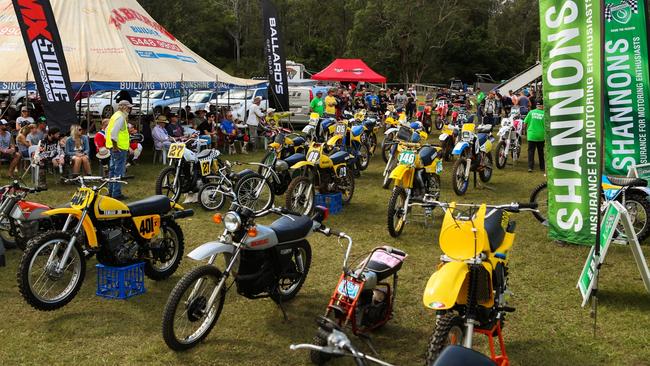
(71, 243)
(406, 204)
(222, 281)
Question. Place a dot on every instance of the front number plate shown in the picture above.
(176, 150)
(349, 289)
(407, 158)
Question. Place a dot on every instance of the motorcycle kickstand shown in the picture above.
(284, 312)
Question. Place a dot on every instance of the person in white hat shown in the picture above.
(24, 118)
(255, 114)
(160, 135)
(118, 140)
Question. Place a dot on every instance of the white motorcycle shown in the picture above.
(509, 137)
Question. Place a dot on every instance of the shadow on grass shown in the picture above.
(631, 300)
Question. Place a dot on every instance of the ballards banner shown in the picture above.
(627, 85)
(571, 58)
(43, 45)
(275, 59)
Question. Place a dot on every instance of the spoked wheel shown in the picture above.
(459, 181)
(364, 157)
(449, 331)
(639, 209)
(187, 320)
(290, 283)
(268, 159)
(210, 197)
(439, 123)
(372, 143)
(540, 197)
(346, 186)
(485, 174)
(502, 157)
(42, 285)
(166, 250)
(254, 193)
(396, 221)
(433, 186)
(168, 184)
(300, 195)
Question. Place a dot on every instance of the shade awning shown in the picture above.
(349, 70)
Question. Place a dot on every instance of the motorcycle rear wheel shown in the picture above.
(364, 157)
(192, 310)
(395, 214)
(172, 254)
(449, 331)
(165, 184)
(247, 197)
(210, 198)
(288, 290)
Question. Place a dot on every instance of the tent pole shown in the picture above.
(216, 95)
(140, 111)
(180, 99)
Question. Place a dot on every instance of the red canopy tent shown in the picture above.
(349, 70)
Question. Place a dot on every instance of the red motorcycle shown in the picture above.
(21, 220)
(424, 117)
(362, 299)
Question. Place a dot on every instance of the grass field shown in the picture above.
(548, 328)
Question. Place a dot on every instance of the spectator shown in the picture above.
(118, 140)
(372, 101)
(513, 98)
(400, 99)
(207, 129)
(188, 113)
(24, 118)
(490, 109)
(135, 145)
(8, 149)
(411, 103)
(255, 114)
(359, 101)
(50, 151)
(174, 129)
(199, 118)
(317, 104)
(506, 103)
(22, 140)
(383, 101)
(330, 104)
(535, 135)
(161, 140)
(103, 154)
(41, 129)
(524, 104)
(344, 100)
(77, 149)
(480, 96)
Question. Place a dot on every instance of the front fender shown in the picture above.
(460, 147)
(302, 164)
(444, 286)
(87, 224)
(209, 249)
(403, 176)
(334, 139)
(642, 190)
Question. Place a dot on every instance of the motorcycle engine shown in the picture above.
(119, 246)
(372, 307)
(255, 275)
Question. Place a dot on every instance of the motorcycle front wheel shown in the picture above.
(254, 193)
(485, 174)
(364, 157)
(459, 181)
(168, 184)
(372, 143)
(449, 331)
(186, 319)
(439, 123)
(395, 213)
(502, 157)
(39, 282)
(300, 195)
(210, 198)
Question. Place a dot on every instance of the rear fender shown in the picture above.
(87, 224)
(209, 249)
(645, 191)
(443, 288)
(460, 148)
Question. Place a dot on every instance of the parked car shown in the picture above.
(155, 101)
(104, 103)
(197, 100)
(15, 99)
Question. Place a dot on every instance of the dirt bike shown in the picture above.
(424, 117)
(509, 139)
(393, 133)
(53, 266)
(469, 290)
(404, 134)
(370, 129)
(449, 137)
(442, 109)
(320, 173)
(632, 193)
(21, 220)
(189, 169)
(417, 180)
(264, 261)
(474, 153)
(363, 297)
(346, 137)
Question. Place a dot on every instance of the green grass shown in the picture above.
(549, 327)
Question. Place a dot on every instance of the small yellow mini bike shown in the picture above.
(469, 290)
(53, 266)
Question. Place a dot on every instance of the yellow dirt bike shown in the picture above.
(391, 149)
(320, 174)
(345, 136)
(53, 267)
(416, 180)
(469, 290)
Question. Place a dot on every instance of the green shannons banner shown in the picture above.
(571, 60)
(627, 82)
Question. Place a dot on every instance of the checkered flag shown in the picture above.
(608, 13)
(634, 5)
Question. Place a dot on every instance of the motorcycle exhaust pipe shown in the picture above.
(183, 214)
(420, 178)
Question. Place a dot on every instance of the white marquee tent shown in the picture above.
(111, 44)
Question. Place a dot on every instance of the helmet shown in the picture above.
(415, 137)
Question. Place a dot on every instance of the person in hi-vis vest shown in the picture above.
(118, 140)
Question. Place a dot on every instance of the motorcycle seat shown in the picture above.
(291, 228)
(154, 205)
(494, 228)
(459, 356)
(627, 182)
(369, 124)
(204, 154)
(340, 157)
(385, 262)
(294, 159)
(298, 140)
(428, 155)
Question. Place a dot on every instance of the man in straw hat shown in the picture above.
(118, 141)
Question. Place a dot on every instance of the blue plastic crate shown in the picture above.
(333, 201)
(120, 282)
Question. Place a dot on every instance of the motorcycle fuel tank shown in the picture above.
(264, 239)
